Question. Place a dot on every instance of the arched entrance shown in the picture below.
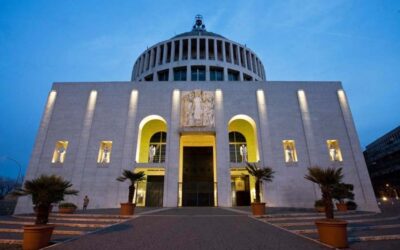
(243, 147)
(151, 154)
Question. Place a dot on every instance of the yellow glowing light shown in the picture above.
(92, 99)
(334, 151)
(246, 126)
(303, 100)
(104, 156)
(60, 152)
(176, 98)
(52, 97)
(384, 198)
(289, 150)
(261, 98)
(147, 127)
(133, 101)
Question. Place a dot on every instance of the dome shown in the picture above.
(198, 55)
(198, 33)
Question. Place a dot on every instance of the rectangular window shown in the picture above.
(247, 78)
(176, 52)
(202, 49)
(180, 74)
(168, 55)
(149, 78)
(289, 149)
(198, 73)
(216, 74)
(162, 75)
(211, 55)
(161, 48)
(219, 50)
(60, 152)
(233, 75)
(193, 49)
(228, 52)
(104, 156)
(185, 49)
(334, 150)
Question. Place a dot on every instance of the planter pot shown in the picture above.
(342, 207)
(36, 236)
(66, 210)
(127, 209)
(258, 208)
(333, 232)
(320, 209)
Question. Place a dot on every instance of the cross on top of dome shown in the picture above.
(198, 25)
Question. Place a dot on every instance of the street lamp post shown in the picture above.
(19, 167)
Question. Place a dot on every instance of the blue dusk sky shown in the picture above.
(41, 42)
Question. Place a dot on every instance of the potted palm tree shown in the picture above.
(260, 174)
(129, 207)
(341, 192)
(331, 231)
(45, 190)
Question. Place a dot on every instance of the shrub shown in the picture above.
(67, 205)
(351, 205)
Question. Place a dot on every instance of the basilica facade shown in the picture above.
(197, 108)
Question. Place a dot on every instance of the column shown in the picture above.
(223, 52)
(215, 50)
(198, 48)
(80, 159)
(165, 54)
(222, 144)
(231, 53)
(308, 133)
(128, 157)
(189, 49)
(206, 48)
(172, 160)
(180, 50)
(173, 51)
(239, 56)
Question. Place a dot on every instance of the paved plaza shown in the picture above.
(206, 228)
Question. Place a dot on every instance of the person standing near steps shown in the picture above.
(85, 202)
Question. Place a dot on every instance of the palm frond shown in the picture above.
(265, 174)
(129, 175)
(46, 189)
(324, 177)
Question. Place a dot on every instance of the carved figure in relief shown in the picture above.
(152, 153)
(289, 154)
(197, 109)
(106, 155)
(333, 152)
(243, 153)
(60, 154)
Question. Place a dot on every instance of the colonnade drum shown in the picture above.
(194, 51)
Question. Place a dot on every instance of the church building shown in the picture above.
(197, 108)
